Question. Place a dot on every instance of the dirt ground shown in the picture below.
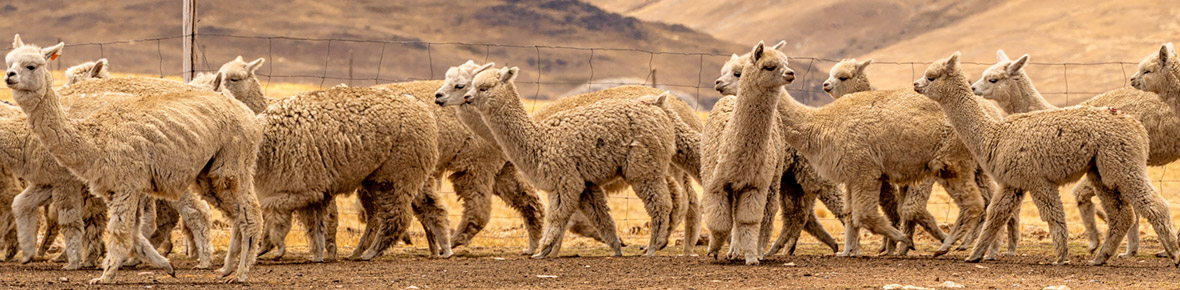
(407, 267)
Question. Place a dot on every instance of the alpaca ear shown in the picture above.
(482, 68)
(217, 82)
(952, 63)
(16, 42)
(1165, 53)
(98, 67)
(1016, 66)
(756, 54)
(734, 56)
(779, 45)
(51, 53)
(470, 63)
(255, 65)
(239, 58)
(663, 97)
(508, 74)
(1001, 56)
(860, 68)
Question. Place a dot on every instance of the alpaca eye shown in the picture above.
(930, 79)
(483, 89)
(1146, 72)
(993, 80)
(459, 86)
(843, 78)
(234, 79)
(769, 68)
(737, 74)
(31, 67)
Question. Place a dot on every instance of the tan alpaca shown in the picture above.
(804, 176)
(161, 215)
(164, 144)
(1038, 151)
(10, 186)
(457, 83)
(1007, 83)
(847, 77)
(1160, 73)
(570, 153)
(391, 151)
(746, 172)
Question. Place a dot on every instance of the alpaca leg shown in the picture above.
(794, 215)
(1002, 205)
(830, 195)
(68, 200)
(966, 195)
(653, 191)
(851, 226)
(122, 230)
(365, 198)
(579, 224)
(891, 197)
(52, 230)
(914, 212)
(522, 197)
(95, 219)
(277, 226)
(679, 202)
(593, 205)
(475, 191)
(1014, 231)
(331, 222)
(167, 218)
(749, 206)
(562, 204)
(1154, 208)
(717, 207)
(436, 223)
(195, 215)
(1118, 219)
(692, 218)
(24, 208)
(311, 217)
(144, 250)
(865, 199)
(1084, 192)
(233, 195)
(817, 230)
(1132, 237)
(393, 214)
(1048, 202)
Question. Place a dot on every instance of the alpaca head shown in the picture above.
(847, 76)
(238, 77)
(27, 70)
(98, 69)
(1001, 81)
(458, 80)
(1158, 72)
(942, 79)
(731, 72)
(767, 68)
(490, 87)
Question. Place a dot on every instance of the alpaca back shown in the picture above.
(331, 140)
(898, 131)
(1163, 126)
(172, 137)
(458, 147)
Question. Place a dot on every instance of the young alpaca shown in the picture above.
(1160, 73)
(1007, 83)
(98, 69)
(218, 141)
(848, 77)
(688, 127)
(746, 173)
(802, 180)
(1038, 151)
(574, 151)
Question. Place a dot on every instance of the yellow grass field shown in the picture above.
(505, 234)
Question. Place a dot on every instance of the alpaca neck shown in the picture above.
(1026, 98)
(795, 120)
(968, 116)
(753, 113)
(57, 133)
(1171, 93)
(471, 117)
(513, 130)
(253, 98)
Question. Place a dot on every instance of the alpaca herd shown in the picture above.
(141, 156)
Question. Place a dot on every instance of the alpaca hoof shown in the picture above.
(1127, 255)
(940, 253)
(25, 260)
(1091, 248)
(446, 254)
(100, 280)
(1062, 263)
(71, 267)
(203, 265)
(973, 259)
(844, 254)
(171, 270)
(752, 261)
(1160, 254)
(1096, 262)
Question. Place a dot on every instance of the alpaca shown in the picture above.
(746, 172)
(1038, 151)
(160, 215)
(1160, 73)
(216, 136)
(572, 153)
(847, 77)
(803, 175)
(391, 150)
(1007, 83)
(10, 186)
(457, 83)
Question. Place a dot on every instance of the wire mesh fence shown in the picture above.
(553, 71)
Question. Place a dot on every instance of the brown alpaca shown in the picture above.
(1038, 151)
(1007, 83)
(164, 144)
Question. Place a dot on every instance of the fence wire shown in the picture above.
(691, 76)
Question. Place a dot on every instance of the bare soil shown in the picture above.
(588, 267)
